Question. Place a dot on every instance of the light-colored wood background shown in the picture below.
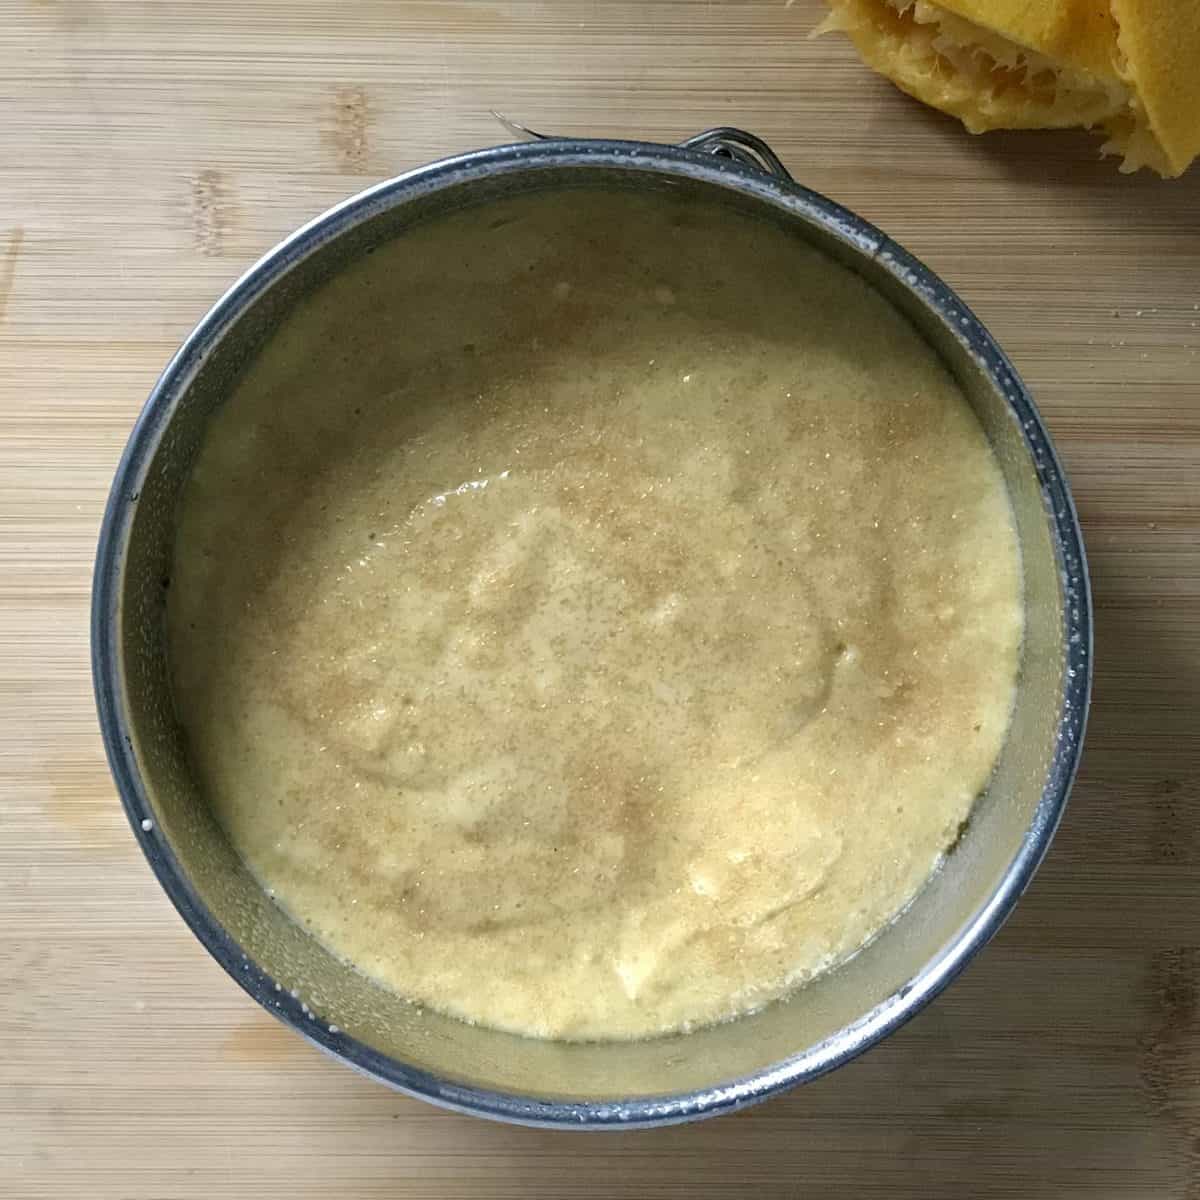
(148, 152)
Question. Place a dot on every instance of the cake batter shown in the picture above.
(595, 617)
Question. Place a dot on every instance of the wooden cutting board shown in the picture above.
(148, 153)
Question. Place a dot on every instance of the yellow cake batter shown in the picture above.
(593, 620)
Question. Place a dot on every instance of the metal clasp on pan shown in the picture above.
(722, 142)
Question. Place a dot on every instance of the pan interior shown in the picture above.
(399, 1040)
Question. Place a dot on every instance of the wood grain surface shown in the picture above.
(148, 152)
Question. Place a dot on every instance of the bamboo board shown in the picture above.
(148, 153)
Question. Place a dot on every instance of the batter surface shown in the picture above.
(593, 620)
